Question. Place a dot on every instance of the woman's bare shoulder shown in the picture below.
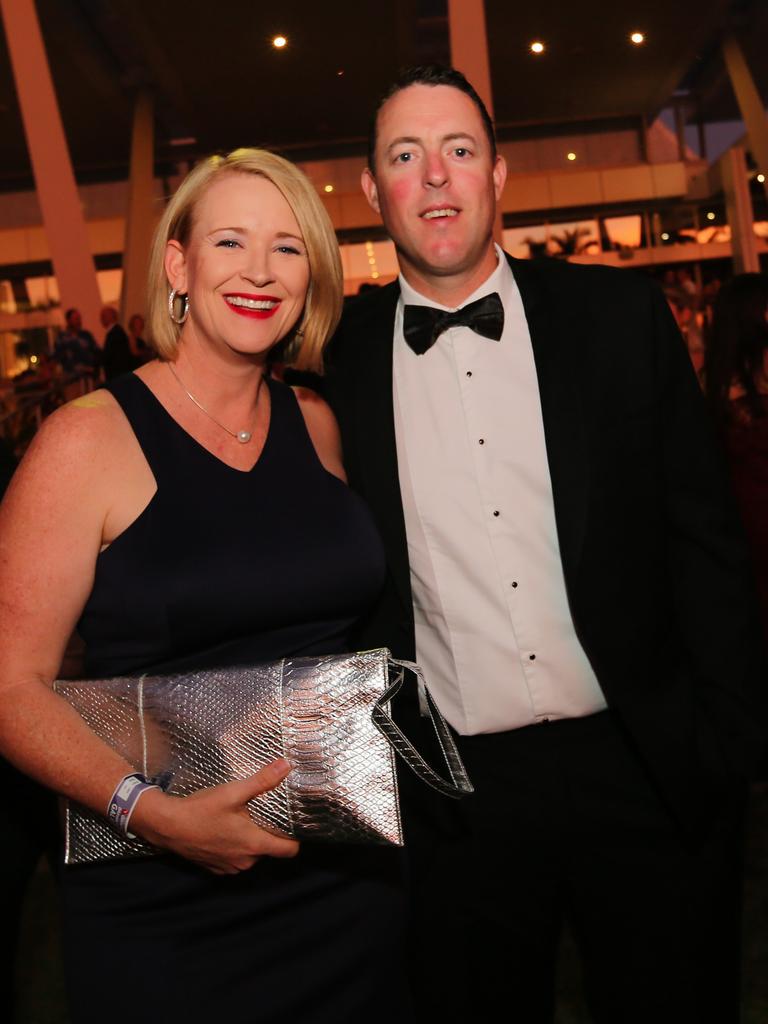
(89, 415)
(313, 403)
(77, 441)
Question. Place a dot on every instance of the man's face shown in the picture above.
(74, 320)
(436, 183)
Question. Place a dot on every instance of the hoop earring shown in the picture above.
(171, 307)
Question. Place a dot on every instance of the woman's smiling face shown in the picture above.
(245, 267)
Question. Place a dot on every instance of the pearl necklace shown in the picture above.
(243, 436)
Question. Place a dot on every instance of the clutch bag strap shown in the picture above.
(459, 784)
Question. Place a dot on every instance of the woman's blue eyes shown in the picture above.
(232, 243)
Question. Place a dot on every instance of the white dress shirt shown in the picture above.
(494, 632)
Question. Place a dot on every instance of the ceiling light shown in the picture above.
(664, 236)
(279, 42)
(328, 188)
(375, 274)
(571, 156)
(537, 47)
(710, 215)
(637, 38)
(761, 178)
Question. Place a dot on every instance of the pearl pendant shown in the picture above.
(243, 436)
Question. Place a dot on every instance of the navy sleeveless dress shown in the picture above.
(225, 567)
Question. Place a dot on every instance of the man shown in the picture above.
(75, 348)
(118, 358)
(565, 566)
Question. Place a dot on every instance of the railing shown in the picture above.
(24, 407)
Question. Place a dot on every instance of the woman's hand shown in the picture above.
(213, 827)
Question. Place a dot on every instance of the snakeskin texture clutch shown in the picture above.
(328, 716)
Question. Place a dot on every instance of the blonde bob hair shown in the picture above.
(303, 348)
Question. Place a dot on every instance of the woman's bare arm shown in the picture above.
(51, 527)
(53, 523)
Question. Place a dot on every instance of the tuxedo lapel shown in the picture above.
(554, 328)
(375, 433)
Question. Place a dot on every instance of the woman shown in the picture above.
(736, 386)
(194, 515)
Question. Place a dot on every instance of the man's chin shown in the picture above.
(440, 261)
(451, 263)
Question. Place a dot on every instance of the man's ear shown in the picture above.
(499, 175)
(368, 184)
(175, 263)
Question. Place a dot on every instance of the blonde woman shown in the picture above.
(194, 514)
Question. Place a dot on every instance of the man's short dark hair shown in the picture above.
(430, 74)
(69, 313)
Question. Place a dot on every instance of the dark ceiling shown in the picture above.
(707, 79)
(217, 79)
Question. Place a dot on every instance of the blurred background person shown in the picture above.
(76, 349)
(736, 386)
(118, 358)
(140, 350)
(684, 300)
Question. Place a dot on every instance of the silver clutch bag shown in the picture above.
(328, 716)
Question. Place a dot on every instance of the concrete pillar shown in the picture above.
(648, 239)
(738, 202)
(750, 104)
(469, 54)
(469, 45)
(656, 228)
(20, 293)
(141, 215)
(701, 129)
(55, 181)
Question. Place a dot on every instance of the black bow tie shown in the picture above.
(423, 325)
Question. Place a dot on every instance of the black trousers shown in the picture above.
(565, 824)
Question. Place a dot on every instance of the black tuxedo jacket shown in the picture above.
(656, 571)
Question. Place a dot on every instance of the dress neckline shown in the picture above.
(267, 437)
